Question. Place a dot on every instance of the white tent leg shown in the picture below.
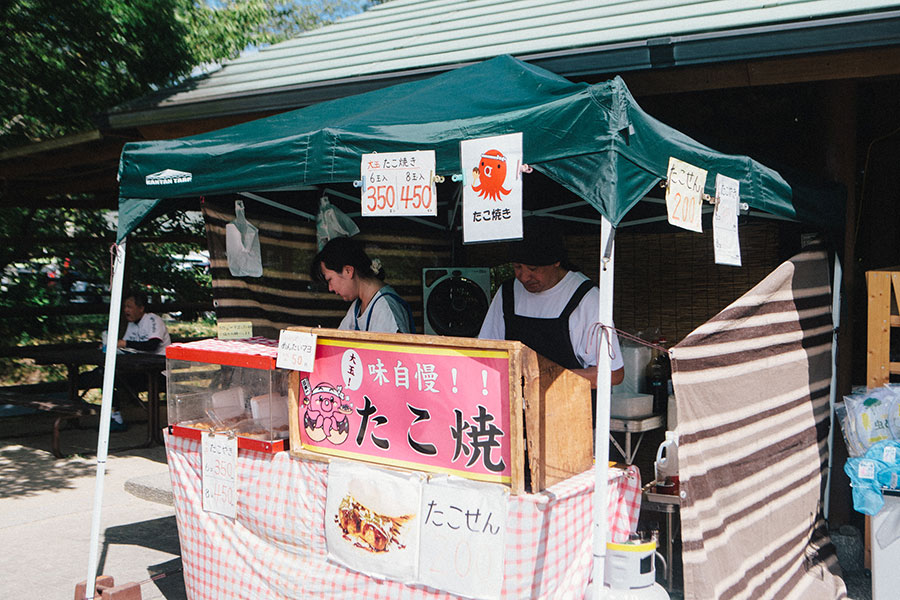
(109, 375)
(836, 319)
(601, 433)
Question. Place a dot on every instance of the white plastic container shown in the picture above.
(624, 405)
(666, 465)
(636, 358)
(885, 574)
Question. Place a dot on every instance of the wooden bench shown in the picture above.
(52, 398)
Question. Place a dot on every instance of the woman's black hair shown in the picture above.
(343, 251)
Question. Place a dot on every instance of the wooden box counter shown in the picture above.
(439, 404)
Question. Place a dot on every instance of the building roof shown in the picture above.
(408, 39)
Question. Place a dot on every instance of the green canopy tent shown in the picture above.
(594, 140)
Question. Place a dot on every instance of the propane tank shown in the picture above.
(630, 573)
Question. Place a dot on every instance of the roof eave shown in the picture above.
(779, 40)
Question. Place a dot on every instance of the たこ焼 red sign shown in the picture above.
(424, 407)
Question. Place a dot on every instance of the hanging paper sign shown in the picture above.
(234, 330)
(418, 407)
(463, 535)
(492, 188)
(398, 184)
(684, 194)
(725, 221)
(372, 520)
(296, 350)
(219, 462)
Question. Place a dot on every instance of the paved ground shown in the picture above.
(46, 507)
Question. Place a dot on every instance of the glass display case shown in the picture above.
(228, 386)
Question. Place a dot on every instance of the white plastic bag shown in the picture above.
(242, 245)
(332, 223)
(870, 412)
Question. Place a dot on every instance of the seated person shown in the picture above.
(145, 332)
(550, 308)
(349, 272)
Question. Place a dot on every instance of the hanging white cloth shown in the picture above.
(242, 245)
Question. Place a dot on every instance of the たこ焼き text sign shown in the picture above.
(431, 408)
(398, 184)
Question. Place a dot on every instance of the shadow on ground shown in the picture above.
(24, 472)
(157, 534)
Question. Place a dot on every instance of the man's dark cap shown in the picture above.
(541, 245)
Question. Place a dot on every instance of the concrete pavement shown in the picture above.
(46, 507)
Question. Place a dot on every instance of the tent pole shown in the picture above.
(109, 375)
(601, 433)
(836, 319)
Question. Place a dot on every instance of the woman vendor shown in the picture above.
(550, 308)
(349, 272)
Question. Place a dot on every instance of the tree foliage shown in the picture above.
(64, 62)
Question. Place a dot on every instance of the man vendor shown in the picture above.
(549, 307)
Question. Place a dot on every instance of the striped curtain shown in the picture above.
(284, 296)
(752, 393)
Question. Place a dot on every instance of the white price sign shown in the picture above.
(462, 537)
(684, 194)
(219, 460)
(725, 221)
(296, 350)
(398, 184)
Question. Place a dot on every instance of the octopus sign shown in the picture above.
(492, 195)
(431, 409)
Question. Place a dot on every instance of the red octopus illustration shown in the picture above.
(326, 414)
(490, 175)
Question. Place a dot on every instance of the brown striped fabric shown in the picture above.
(284, 296)
(752, 393)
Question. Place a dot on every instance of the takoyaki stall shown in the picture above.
(419, 466)
(423, 465)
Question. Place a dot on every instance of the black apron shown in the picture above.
(547, 337)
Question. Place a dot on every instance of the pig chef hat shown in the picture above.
(541, 245)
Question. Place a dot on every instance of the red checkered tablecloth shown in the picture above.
(275, 548)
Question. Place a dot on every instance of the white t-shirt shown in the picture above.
(388, 314)
(549, 304)
(148, 328)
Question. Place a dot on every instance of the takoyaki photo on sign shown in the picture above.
(492, 188)
(372, 519)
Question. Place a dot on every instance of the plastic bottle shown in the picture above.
(659, 373)
(666, 465)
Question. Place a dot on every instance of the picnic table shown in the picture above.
(71, 405)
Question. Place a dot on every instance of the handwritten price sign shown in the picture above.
(684, 194)
(219, 460)
(463, 535)
(398, 184)
(296, 350)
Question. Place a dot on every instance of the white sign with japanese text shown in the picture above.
(398, 184)
(296, 350)
(492, 188)
(219, 462)
(463, 535)
(725, 221)
(684, 194)
(234, 330)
